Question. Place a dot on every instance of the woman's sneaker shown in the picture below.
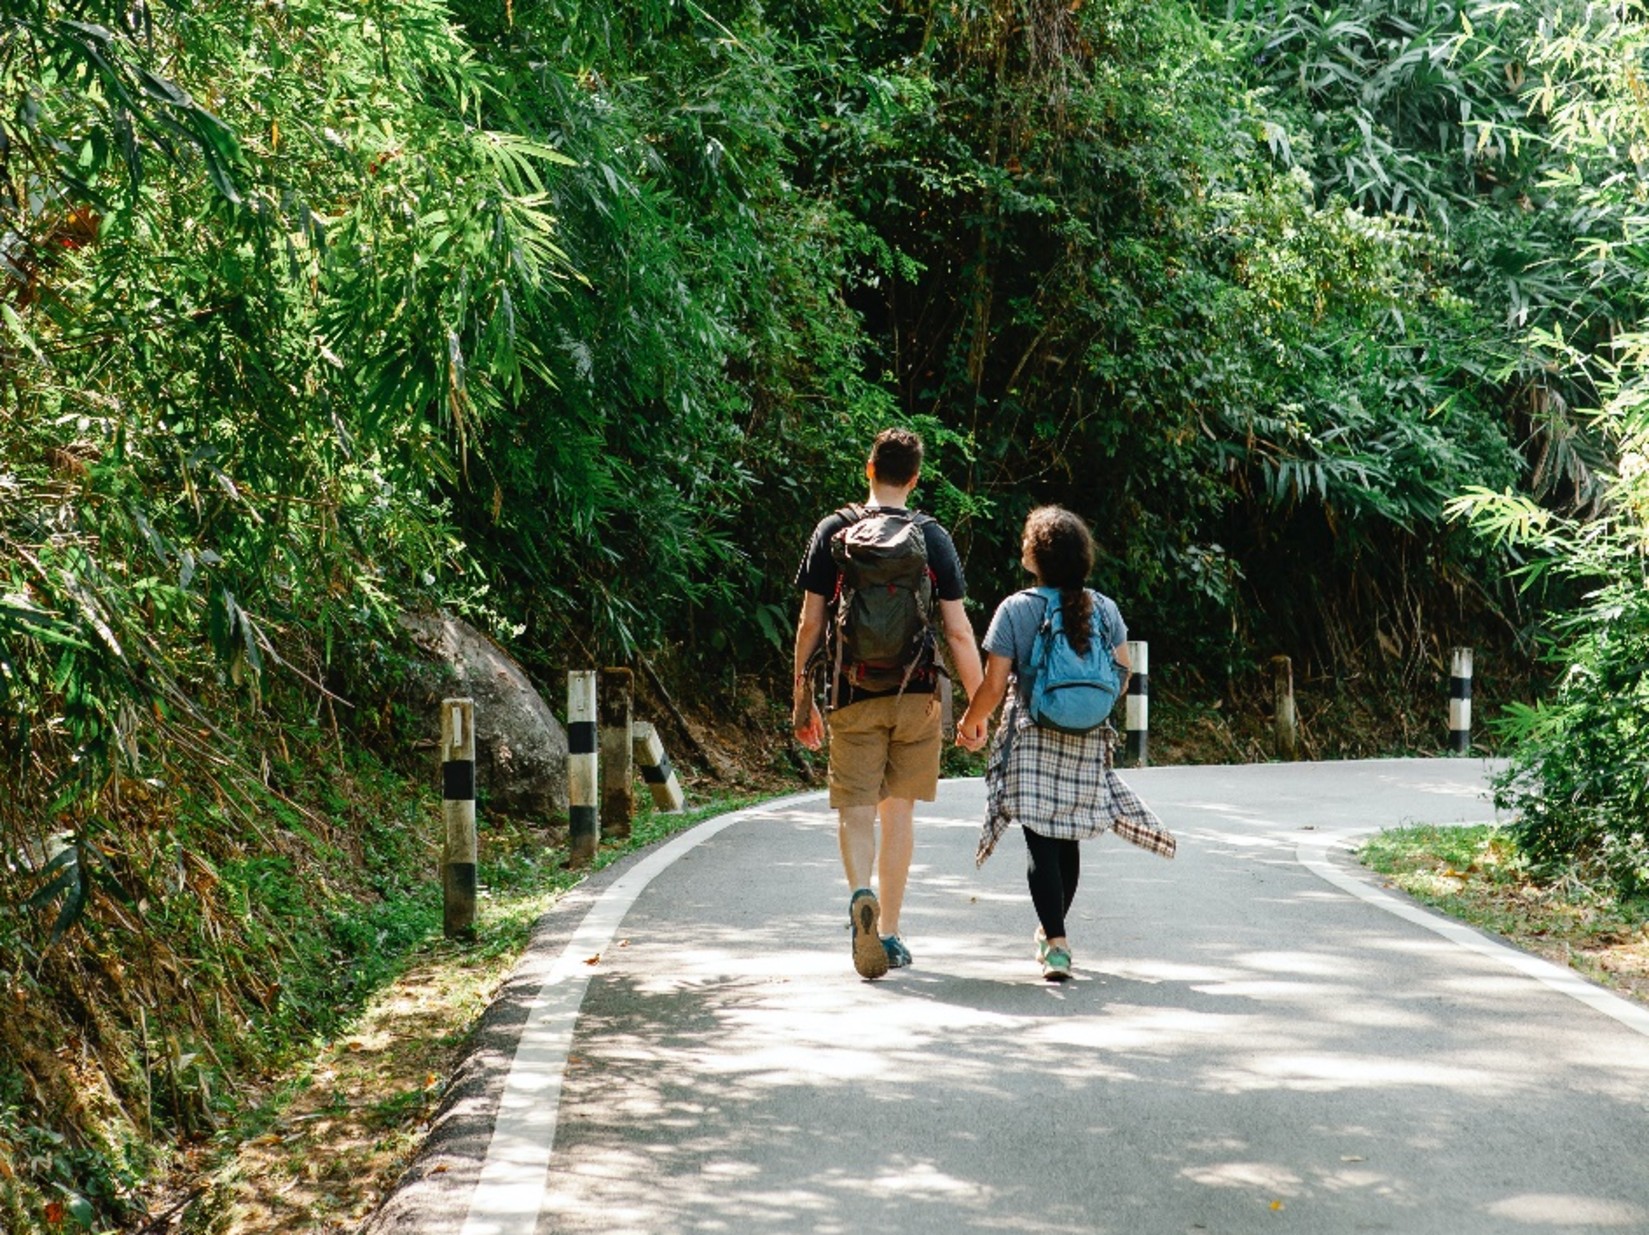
(1056, 964)
(869, 956)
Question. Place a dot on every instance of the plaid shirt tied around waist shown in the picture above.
(1062, 785)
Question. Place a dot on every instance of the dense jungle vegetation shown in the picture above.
(572, 318)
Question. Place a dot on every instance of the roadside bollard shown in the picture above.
(1282, 690)
(583, 782)
(617, 768)
(1460, 700)
(458, 854)
(656, 769)
(1137, 710)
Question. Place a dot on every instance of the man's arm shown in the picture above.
(971, 729)
(964, 652)
(804, 712)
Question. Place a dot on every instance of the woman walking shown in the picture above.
(1057, 785)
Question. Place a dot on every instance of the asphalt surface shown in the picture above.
(1259, 1038)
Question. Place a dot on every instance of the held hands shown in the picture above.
(971, 731)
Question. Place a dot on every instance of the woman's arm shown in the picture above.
(1120, 655)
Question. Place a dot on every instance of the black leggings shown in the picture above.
(1052, 868)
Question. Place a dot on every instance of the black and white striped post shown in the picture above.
(655, 767)
(458, 854)
(583, 772)
(1460, 700)
(1137, 713)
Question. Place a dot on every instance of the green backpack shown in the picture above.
(884, 599)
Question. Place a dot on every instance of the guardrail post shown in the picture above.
(1137, 713)
(1460, 700)
(617, 767)
(459, 853)
(583, 783)
(656, 769)
(1282, 688)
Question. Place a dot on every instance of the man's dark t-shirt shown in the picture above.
(818, 574)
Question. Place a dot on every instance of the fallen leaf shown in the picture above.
(54, 1213)
(440, 1170)
(594, 960)
(623, 943)
(1276, 1205)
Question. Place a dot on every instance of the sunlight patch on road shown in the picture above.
(1139, 1030)
(925, 1179)
(1168, 971)
(1332, 1073)
(1266, 1177)
(1550, 1209)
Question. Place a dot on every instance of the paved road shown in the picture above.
(1259, 1039)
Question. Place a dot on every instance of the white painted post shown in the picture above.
(1460, 700)
(656, 769)
(459, 853)
(1137, 716)
(583, 771)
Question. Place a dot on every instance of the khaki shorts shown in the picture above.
(885, 748)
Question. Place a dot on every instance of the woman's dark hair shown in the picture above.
(1061, 551)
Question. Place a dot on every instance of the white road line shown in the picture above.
(510, 1190)
(1313, 855)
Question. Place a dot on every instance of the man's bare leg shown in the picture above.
(897, 847)
(856, 832)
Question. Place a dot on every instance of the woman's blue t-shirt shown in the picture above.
(1012, 632)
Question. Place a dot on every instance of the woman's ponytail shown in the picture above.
(1077, 606)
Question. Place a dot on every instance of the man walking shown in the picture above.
(871, 579)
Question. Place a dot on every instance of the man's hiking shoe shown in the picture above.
(898, 956)
(1056, 964)
(869, 956)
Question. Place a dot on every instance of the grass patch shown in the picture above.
(1478, 875)
(327, 1140)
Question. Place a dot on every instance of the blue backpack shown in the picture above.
(1072, 693)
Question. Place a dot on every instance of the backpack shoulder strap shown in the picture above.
(1053, 603)
(852, 512)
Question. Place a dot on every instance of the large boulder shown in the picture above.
(520, 747)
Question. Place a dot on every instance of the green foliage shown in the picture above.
(706, 377)
(186, 449)
(1577, 777)
(1405, 107)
